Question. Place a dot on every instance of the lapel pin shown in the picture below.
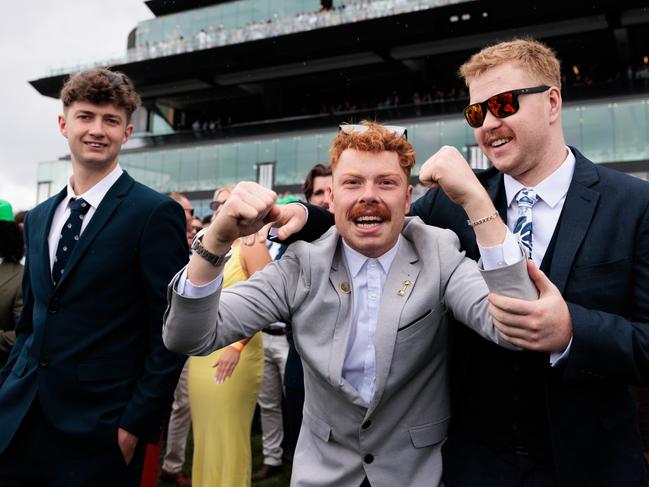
(345, 288)
(402, 292)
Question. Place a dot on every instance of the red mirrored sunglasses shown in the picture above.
(501, 105)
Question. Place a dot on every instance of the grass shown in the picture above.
(282, 480)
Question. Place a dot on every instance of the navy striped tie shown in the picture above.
(526, 198)
(69, 237)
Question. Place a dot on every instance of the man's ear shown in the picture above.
(330, 198)
(127, 133)
(62, 125)
(408, 199)
(554, 98)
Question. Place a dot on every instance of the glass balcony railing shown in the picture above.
(612, 131)
(244, 21)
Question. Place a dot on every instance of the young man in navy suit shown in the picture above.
(89, 382)
(560, 414)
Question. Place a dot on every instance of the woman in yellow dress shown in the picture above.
(222, 408)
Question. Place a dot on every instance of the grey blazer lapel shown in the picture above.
(404, 268)
(578, 211)
(342, 284)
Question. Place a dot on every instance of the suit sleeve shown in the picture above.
(317, 224)
(466, 288)
(162, 252)
(201, 325)
(424, 206)
(8, 337)
(607, 346)
(24, 326)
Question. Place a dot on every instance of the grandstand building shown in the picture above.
(255, 89)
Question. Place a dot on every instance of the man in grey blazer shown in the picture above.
(368, 303)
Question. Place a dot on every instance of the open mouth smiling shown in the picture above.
(368, 221)
(499, 142)
(96, 145)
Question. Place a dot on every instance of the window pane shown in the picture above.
(227, 165)
(631, 132)
(597, 132)
(208, 167)
(286, 168)
(571, 119)
(247, 162)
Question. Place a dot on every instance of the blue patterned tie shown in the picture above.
(69, 237)
(526, 198)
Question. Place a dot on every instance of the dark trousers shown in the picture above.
(468, 464)
(38, 455)
(294, 402)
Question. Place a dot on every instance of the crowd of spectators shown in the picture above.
(577, 82)
(210, 36)
(216, 36)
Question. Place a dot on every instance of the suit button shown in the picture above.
(43, 362)
(366, 424)
(53, 307)
(368, 458)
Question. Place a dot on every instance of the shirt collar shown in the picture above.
(95, 194)
(552, 189)
(356, 260)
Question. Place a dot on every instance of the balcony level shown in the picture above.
(613, 132)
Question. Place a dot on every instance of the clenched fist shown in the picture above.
(448, 170)
(248, 208)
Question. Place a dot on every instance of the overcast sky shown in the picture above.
(34, 36)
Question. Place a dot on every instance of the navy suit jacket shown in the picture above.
(90, 348)
(600, 264)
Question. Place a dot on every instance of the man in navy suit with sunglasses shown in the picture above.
(89, 382)
(560, 413)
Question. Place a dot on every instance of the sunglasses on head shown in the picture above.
(214, 205)
(349, 128)
(501, 105)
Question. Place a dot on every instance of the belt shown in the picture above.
(274, 331)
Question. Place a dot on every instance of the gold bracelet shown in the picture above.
(482, 220)
(238, 346)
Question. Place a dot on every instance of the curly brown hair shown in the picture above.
(375, 139)
(101, 87)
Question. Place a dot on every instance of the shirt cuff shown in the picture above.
(507, 253)
(187, 289)
(556, 358)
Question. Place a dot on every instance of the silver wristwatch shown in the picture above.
(197, 247)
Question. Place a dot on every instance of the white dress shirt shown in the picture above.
(551, 194)
(368, 278)
(546, 211)
(93, 197)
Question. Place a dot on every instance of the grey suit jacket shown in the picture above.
(11, 304)
(397, 438)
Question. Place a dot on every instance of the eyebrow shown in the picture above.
(381, 175)
(106, 115)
